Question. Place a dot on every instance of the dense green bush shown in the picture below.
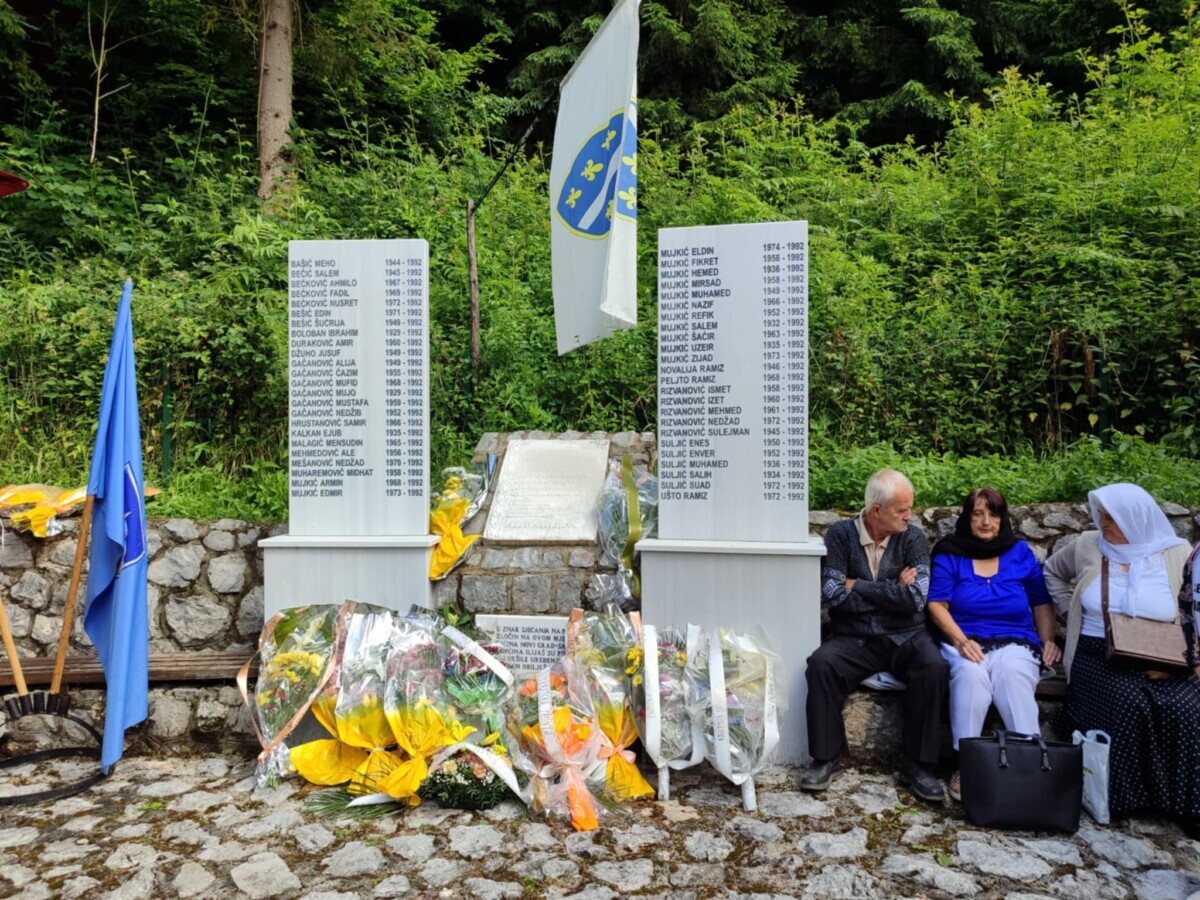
(976, 308)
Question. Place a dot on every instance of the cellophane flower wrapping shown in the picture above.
(358, 751)
(602, 645)
(734, 686)
(656, 675)
(294, 654)
(419, 712)
(613, 516)
(556, 725)
(459, 499)
(479, 687)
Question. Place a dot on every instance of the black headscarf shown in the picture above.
(963, 543)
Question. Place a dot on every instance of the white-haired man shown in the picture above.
(874, 581)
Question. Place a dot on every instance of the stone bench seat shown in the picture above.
(1052, 687)
(198, 666)
(874, 720)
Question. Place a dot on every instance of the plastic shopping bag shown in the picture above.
(1096, 745)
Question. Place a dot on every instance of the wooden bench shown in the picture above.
(197, 666)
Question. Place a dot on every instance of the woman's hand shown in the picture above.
(1051, 653)
(907, 576)
(1157, 675)
(969, 649)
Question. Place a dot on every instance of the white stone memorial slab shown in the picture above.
(359, 412)
(733, 382)
(547, 491)
(528, 644)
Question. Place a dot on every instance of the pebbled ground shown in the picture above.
(198, 827)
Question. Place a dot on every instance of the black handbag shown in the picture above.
(1011, 780)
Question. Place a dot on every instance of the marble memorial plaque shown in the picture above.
(733, 382)
(359, 387)
(547, 491)
(528, 644)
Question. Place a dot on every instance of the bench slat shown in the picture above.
(198, 666)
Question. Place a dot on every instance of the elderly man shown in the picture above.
(873, 582)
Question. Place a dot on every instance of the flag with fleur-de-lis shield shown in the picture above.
(593, 187)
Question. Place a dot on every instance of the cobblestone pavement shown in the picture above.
(198, 827)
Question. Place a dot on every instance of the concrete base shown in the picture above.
(392, 572)
(741, 585)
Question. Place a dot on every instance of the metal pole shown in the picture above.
(474, 270)
(473, 262)
(168, 450)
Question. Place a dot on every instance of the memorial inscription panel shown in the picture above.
(358, 316)
(733, 382)
(528, 644)
(547, 491)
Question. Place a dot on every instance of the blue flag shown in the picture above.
(116, 615)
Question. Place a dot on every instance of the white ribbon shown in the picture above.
(651, 690)
(546, 718)
(472, 648)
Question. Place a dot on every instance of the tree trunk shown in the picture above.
(274, 93)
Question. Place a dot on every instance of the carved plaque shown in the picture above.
(528, 644)
(547, 491)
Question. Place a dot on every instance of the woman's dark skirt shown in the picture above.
(1155, 729)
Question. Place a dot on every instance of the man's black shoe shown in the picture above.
(820, 774)
(922, 782)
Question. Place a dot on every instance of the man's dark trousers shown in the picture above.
(840, 663)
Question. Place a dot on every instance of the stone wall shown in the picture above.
(206, 592)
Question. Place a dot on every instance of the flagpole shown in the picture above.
(473, 265)
(64, 638)
(472, 257)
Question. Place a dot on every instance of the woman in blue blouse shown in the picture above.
(988, 598)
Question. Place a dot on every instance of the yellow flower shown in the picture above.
(573, 196)
(633, 656)
(608, 140)
(680, 659)
(592, 169)
(637, 680)
(493, 742)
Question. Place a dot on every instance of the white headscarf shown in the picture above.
(1140, 519)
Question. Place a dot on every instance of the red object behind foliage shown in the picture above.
(11, 184)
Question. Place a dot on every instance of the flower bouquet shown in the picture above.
(459, 499)
(358, 749)
(657, 684)
(554, 720)
(297, 652)
(464, 781)
(602, 642)
(420, 715)
(733, 696)
(627, 511)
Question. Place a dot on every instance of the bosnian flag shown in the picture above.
(116, 614)
(593, 187)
